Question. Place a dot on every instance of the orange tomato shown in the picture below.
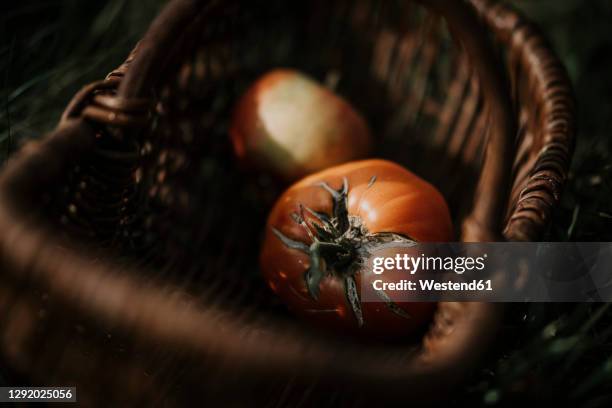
(289, 125)
(317, 232)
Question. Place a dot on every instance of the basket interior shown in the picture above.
(171, 200)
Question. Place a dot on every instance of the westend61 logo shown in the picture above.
(412, 264)
(490, 272)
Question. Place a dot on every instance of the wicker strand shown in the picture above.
(540, 192)
(100, 103)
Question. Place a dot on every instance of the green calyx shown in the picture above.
(340, 243)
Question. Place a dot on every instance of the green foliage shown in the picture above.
(49, 49)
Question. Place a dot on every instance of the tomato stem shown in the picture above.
(340, 243)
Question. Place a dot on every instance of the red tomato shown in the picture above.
(291, 126)
(312, 254)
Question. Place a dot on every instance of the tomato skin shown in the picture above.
(290, 125)
(397, 201)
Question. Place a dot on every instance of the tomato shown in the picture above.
(290, 125)
(316, 234)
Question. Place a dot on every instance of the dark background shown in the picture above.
(49, 49)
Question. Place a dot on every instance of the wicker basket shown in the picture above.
(129, 236)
